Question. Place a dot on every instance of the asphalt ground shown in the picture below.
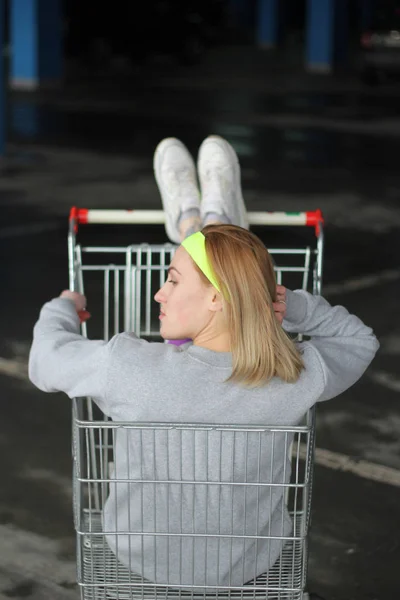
(303, 143)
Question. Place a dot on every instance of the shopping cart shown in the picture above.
(126, 278)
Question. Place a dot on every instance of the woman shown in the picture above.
(239, 367)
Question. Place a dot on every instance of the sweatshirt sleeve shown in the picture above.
(344, 346)
(62, 360)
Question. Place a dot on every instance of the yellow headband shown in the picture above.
(195, 245)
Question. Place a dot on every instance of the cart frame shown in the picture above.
(126, 307)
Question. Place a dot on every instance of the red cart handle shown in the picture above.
(84, 216)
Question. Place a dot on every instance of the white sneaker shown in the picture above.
(175, 174)
(219, 173)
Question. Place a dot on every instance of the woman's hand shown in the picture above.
(280, 303)
(80, 304)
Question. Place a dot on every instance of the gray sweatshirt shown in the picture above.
(133, 380)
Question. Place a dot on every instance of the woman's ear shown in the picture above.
(216, 304)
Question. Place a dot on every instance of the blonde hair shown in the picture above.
(244, 271)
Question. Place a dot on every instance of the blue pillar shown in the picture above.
(2, 82)
(320, 35)
(36, 42)
(267, 23)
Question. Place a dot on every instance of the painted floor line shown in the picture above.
(13, 368)
(388, 380)
(361, 468)
(364, 282)
(31, 229)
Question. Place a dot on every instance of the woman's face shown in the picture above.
(186, 302)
